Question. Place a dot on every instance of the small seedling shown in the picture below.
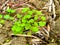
(7, 17)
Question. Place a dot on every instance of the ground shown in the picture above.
(5, 31)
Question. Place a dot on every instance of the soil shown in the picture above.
(5, 31)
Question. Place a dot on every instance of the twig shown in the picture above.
(4, 3)
(46, 6)
(3, 7)
(23, 35)
(47, 32)
(50, 7)
(53, 6)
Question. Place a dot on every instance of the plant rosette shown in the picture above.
(27, 21)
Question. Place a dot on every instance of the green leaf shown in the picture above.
(34, 11)
(11, 18)
(31, 21)
(17, 30)
(1, 16)
(6, 16)
(27, 16)
(13, 11)
(18, 16)
(23, 24)
(34, 29)
(38, 12)
(24, 17)
(41, 23)
(25, 9)
(36, 24)
(24, 20)
(27, 26)
(14, 27)
(43, 18)
(17, 22)
(2, 21)
(8, 10)
(36, 17)
(29, 33)
(30, 12)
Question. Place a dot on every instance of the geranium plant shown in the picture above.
(28, 20)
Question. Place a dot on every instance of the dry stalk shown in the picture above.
(30, 36)
(50, 7)
(4, 3)
(53, 6)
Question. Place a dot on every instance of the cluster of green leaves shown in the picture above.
(9, 10)
(27, 20)
(7, 17)
(17, 28)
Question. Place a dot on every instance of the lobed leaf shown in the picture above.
(18, 16)
(43, 18)
(34, 29)
(41, 23)
(6, 16)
